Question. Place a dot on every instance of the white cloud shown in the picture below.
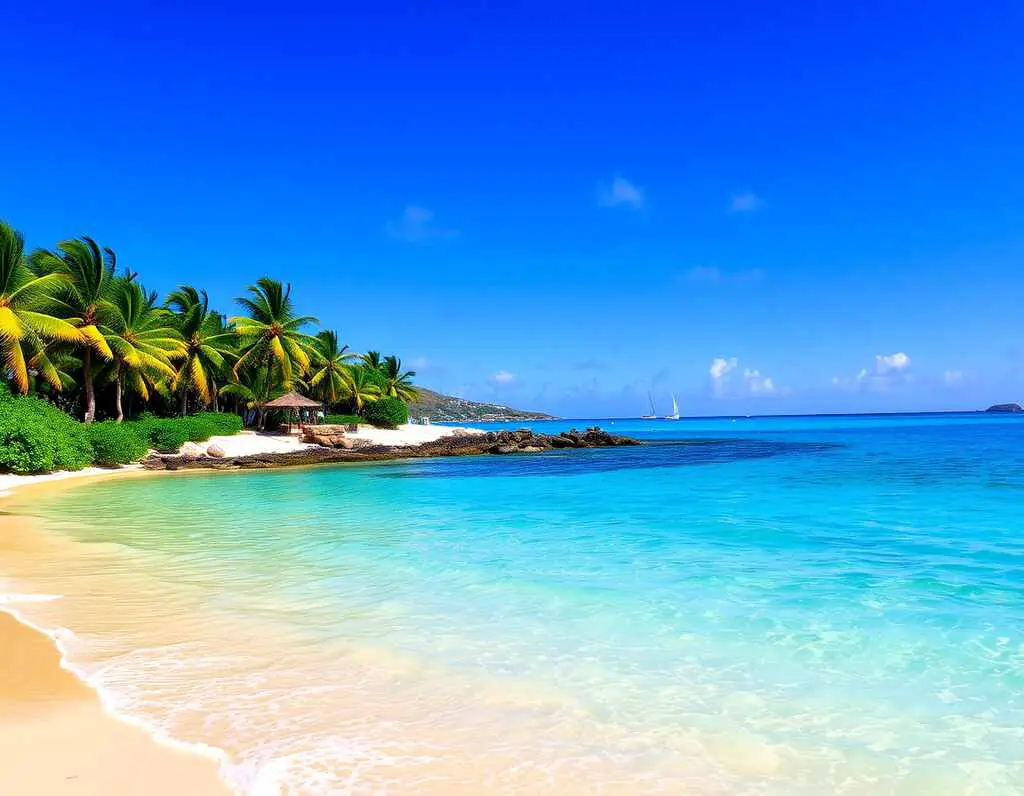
(951, 377)
(890, 370)
(723, 385)
(721, 366)
(745, 203)
(893, 362)
(420, 363)
(758, 384)
(417, 225)
(621, 192)
(713, 275)
(504, 377)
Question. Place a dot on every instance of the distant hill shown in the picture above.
(448, 408)
(1014, 408)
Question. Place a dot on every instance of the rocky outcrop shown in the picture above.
(329, 436)
(502, 443)
(1006, 408)
(216, 451)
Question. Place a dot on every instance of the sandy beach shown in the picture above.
(55, 735)
(56, 738)
(249, 443)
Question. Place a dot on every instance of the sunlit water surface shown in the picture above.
(775, 606)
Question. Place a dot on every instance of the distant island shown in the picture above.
(448, 408)
(1005, 408)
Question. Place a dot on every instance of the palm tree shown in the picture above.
(329, 374)
(361, 387)
(270, 338)
(51, 368)
(398, 384)
(143, 340)
(84, 299)
(372, 360)
(26, 324)
(208, 345)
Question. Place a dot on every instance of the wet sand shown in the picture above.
(56, 738)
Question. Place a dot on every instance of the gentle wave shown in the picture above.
(839, 616)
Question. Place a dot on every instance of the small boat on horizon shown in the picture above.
(654, 412)
(675, 409)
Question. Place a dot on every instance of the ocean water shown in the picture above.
(796, 606)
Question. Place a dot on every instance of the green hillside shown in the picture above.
(448, 408)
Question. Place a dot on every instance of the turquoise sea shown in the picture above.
(772, 606)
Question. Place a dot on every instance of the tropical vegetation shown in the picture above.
(82, 339)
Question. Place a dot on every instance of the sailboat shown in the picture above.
(654, 412)
(675, 409)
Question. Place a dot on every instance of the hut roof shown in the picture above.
(292, 400)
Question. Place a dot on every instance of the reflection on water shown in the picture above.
(813, 609)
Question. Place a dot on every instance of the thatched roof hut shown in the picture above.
(293, 402)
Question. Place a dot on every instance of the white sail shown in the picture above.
(675, 409)
(654, 414)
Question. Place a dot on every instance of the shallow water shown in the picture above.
(768, 606)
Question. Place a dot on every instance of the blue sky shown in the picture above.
(764, 208)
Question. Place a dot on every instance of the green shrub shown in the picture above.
(37, 437)
(343, 420)
(199, 429)
(144, 425)
(224, 423)
(116, 443)
(386, 412)
(167, 436)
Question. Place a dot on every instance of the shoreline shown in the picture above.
(57, 729)
(61, 727)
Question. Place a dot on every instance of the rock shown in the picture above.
(216, 451)
(347, 449)
(1006, 408)
(191, 450)
(329, 436)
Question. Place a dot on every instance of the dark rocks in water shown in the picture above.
(493, 442)
(1006, 408)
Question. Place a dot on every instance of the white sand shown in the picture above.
(247, 443)
(409, 434)
(10, 482)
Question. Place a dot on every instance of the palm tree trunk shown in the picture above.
(183, 401)
(119, 390)
(268, 388)
(90, 395)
